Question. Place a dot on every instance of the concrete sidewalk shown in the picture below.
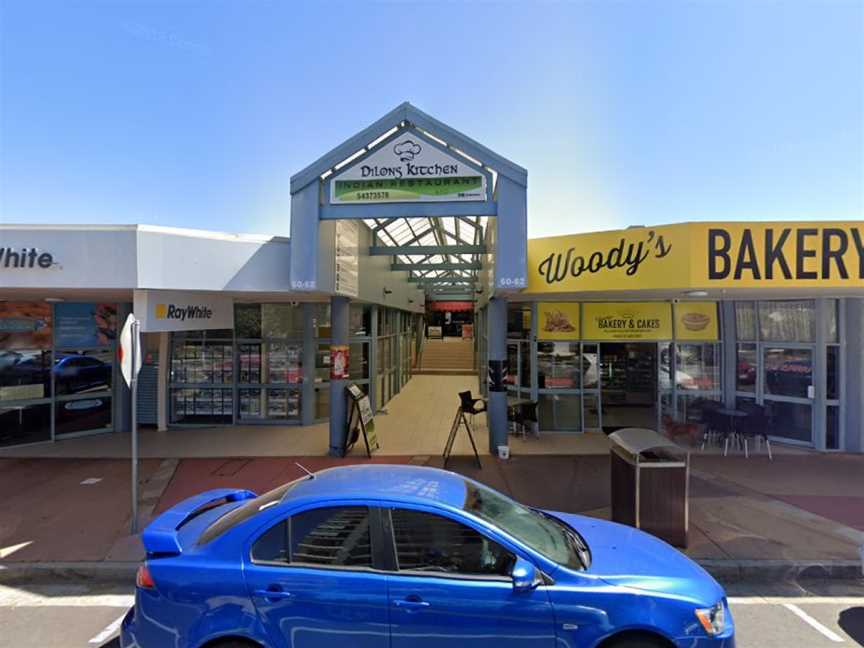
(774, 518)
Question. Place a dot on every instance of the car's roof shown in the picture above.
(383, 481)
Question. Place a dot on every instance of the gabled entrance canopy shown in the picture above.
(427, 192)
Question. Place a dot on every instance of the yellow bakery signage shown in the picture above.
(779, 254)
(696, 321)
(700, 255)
(627, 321)
(558, 321)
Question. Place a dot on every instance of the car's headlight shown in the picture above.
(713, 619)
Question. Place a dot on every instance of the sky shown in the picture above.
(195, 113)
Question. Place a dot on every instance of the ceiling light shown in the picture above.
(697, 293)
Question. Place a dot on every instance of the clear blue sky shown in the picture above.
(196, 113)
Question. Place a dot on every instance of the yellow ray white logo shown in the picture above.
(182, 313)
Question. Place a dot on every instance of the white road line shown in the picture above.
(801, 614)
(109, 630)
(800, 600)
(12, 597)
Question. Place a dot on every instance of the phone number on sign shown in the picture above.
(373, 195)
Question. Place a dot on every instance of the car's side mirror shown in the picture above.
(524, 576)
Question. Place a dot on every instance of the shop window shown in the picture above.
(590, 366)
(269, 404)
(22, 423)
(790, 420)
(256, 321)
(746, 370)
(321, 320)
(560, 412)
(79, 372)
(25, 374)
(697, 367)
(831, 331)
(201, 406)
(788, 371)
(322, 403)
(592, 412)
(832, 373)
(787, 321)
(832, 427)
(745, 321)
(82, 415)
(358, 361)
(519, 321)
(247, 321)
(559, 365)
(360, 320)
(511, 378)
(201, 361)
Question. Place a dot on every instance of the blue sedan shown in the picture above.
(410, 557)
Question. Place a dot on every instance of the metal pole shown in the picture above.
(134, 386)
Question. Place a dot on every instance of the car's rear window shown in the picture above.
(243, 512)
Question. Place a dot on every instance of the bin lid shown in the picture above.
(638, 440)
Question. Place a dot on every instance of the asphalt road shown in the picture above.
(67, 615)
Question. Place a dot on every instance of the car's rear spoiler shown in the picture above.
(160, 536)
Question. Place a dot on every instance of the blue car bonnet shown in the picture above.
(628, 557)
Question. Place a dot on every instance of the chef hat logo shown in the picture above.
(406, 150)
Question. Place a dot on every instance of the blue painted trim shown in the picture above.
(408, 210)
(407, 112)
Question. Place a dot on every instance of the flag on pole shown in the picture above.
(124, 351)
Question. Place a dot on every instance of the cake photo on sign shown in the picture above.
(695, 321)
(557, 322)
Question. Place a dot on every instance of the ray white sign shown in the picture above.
(173, 310)
(408, 169)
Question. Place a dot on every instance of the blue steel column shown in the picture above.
(853, 356)
(729, 350)
(308, 396)
(338, 403)
(497, 403)
(373, 358)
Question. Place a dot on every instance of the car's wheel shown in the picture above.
(637, 641)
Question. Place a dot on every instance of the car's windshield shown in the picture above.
(541, 532)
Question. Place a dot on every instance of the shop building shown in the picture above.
(601, 330)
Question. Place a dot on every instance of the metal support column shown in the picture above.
(373, 358)
(819, 370)
(497, 403)
(729, 351)
(853, 355)
(308, 395)
(338, 403)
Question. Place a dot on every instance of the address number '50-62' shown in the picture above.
(304, 285)
(514, 282)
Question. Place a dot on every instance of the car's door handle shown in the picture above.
(273, 594)
(411, 603)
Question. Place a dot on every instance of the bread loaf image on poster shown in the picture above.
(557, 322)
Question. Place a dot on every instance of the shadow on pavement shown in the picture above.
(852, 622)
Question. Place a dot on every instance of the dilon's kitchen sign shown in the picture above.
(408, 169)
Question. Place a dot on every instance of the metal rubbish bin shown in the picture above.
(650, 484)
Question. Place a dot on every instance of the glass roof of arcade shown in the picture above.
(438, 241)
